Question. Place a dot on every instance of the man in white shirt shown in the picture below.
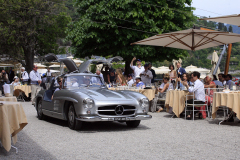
(197, 89)
(130, 80)
(48, 75)
(35, 83)
(97, 80)
(146, 75)
(74, 82)
(25, 76)
(137, 69)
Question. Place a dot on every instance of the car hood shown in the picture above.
(106, 95)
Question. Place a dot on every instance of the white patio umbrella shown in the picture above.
(214, 62)
(230, 19)
(161, 70)
(191, 39)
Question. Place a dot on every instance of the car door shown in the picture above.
(47, 103)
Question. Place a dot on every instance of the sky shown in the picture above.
(216, 8)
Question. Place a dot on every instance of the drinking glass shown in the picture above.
(227, 87)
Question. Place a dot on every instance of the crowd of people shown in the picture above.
(141, 76)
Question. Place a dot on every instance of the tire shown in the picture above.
(133, 124)
(72, 122)
(40, 114)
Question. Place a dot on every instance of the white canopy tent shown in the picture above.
(202, 71)
(41, 71)
(6, 65)
(161, 70)
(55, 66)
(39, 65)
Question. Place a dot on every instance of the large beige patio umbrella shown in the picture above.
(230, 19)
(214, 62)
(191, 39)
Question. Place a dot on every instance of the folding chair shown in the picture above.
(19, 94)
(195, 105)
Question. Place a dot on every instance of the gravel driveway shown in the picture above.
(162, 137)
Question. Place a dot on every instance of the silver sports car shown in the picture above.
(85, 98)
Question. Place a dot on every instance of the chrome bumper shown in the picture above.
(98, 118)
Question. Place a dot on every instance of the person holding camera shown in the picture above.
(3, 79)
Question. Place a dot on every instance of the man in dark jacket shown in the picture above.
(11, 75)
(153, 72)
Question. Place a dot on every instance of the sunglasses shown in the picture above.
(59, 81)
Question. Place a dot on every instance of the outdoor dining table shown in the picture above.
(12, 121)
(230, 100)
(149, 93)
(176, 99)
(25, 88)
(11, 99)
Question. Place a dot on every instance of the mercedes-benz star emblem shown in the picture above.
(119, 110)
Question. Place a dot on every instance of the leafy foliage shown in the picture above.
(109, 27)
(31, 27)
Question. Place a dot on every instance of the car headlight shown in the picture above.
(144, 103)
(88, 103)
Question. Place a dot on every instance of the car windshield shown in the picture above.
(73, 82)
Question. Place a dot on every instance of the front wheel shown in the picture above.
(72, 122)
(133, 124)
(40, 114)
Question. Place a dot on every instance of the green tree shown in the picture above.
(220, 26)
(230, 29)
(109, 27)
(225, 29)
(31, 27)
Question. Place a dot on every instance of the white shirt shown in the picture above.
(130, 83)
(49, 74)
(75, 84)
(198, 89)
(57, 89)
(15, 84)
(162, 85)
(35, 76)
(146, 79)
(224, 83)
(137, 70)
(25, 75)
(101, 75)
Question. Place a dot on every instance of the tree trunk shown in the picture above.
(29, 59)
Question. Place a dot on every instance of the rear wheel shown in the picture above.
(133, 124)
(40, 114)
(72, 122)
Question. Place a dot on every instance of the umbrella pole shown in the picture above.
(228, 59)
(220, 59)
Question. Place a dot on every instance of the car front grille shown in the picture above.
(116, 110)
